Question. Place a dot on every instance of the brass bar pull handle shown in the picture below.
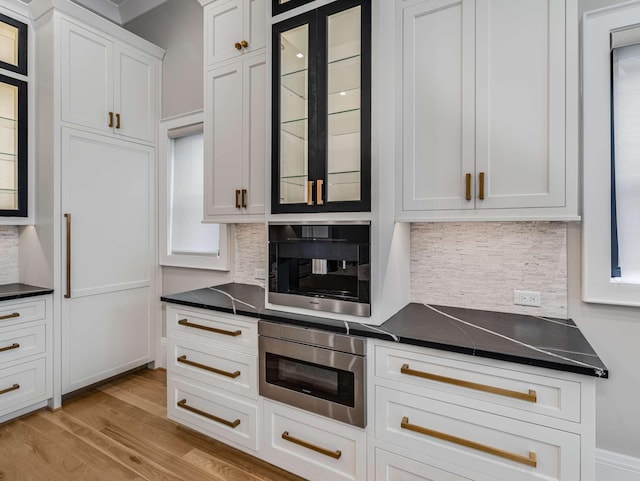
(332, 454)
(15, 345)
(481, 180)
(117, 121)
(319, 192)
(9, 389)
(67, 294)
(110, 119)
(185, 323)
(237, 199)
(468, 186)
(244, 198)
(10, 316)
(530, 460)
(238, 46)
(183, 359)
(310, 192)
(531, 396)
(244, 44)
(232, 424)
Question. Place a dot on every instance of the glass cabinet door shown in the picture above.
(13, 45)
(322, 110)
(13, 147)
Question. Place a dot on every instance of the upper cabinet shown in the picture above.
(234, 28)
(107, 86)
(13, 121)
(321, 110)
(489, 94)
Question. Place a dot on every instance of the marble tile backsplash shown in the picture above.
(479, 265)
(250, 253)
(9, 272)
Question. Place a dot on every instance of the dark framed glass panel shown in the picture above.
(280, 6)
(13, 45)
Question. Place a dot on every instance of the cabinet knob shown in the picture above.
(244, 44)
(238, 46)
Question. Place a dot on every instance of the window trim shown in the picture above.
(597, 284)
(220, 263)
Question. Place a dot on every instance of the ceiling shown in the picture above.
(118, 11)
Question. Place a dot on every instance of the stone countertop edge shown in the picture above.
(249, 301)
(19, 291)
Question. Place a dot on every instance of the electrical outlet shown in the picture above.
(259, 273)
(526, 298)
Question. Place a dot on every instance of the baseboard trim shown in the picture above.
(612, 466)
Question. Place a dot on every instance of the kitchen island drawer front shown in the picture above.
(18, 344)
(18, 311)
(211, 413)
(313, 446)
(391, 467)
(23, 385)
(231, 371)
(224, 329)
(507, 392)
(498, 446)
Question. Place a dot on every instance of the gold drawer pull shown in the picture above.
(183, 359)
(185, 323)
(15, 345)
(467, 178)
(531, 460)
(9, 389)
(10, 316)
(531, 396)
(310, 192)
(232, 424)
(481, 180)
(332, 454)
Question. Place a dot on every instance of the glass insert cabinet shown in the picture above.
(321, 145)
(13, 119)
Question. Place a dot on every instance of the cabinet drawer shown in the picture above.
(502, 391)
(23, 385)
(14, 312)
(21, 343)
(227, 330)
(312, 446)
(211, 413)
(221, 368)
(391, 467)
(499, 446)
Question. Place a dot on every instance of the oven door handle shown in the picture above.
(332, 454)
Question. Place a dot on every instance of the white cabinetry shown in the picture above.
(479, 419)
(26, 370)
(212, 384)
(488, 107)
(106, 85)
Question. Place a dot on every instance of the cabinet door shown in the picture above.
(223, 149)
(135, 94)
(520, 116)
(254, 24)
(438, 105)
(108, 188)
(86, 76)
(223, 30)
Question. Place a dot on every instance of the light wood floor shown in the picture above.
(120, 432)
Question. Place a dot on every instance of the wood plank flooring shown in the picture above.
(120, 432)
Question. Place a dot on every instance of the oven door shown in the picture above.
(323, 381)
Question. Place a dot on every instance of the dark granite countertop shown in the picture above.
(18, 291)
(537, 341)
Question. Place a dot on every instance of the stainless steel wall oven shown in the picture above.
(319, 371)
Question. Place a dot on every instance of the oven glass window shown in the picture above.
(313, 379)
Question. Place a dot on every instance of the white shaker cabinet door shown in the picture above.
(520, 106)
(86, 70)
(108, 190)
(438, 105)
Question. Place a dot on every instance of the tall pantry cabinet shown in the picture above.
(98, 94)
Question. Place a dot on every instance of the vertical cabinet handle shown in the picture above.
(468, 186)
(110, 119)
(237, 199)
(244, 198)
(481, 181)
(319, 199)
(117, 121)
(67, 294)
(310, 192)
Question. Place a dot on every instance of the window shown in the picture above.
(185, 241)
(611, 154)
